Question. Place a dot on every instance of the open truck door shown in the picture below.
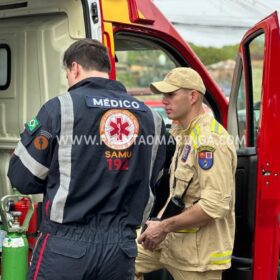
(253, 120)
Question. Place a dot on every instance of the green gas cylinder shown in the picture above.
(15, 246)
(15, 256)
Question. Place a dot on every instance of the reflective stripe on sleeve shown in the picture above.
(221, 258)
(35, 167)
(64, 157)
(158, 124)
(195, 136)
(189, 230)
(216, 127)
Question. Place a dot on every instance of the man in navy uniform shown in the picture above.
(82, 152)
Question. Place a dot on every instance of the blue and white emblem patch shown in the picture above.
(206, 156)
(205, 159)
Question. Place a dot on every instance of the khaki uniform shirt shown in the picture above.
(206, 154)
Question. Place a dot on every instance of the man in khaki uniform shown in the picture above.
(196, 244)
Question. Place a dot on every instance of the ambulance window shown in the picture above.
(140, 62)
(256, 49)
(5, 63)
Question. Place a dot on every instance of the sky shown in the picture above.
(215, 22)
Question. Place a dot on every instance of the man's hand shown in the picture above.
(152, 236)
(157, 230)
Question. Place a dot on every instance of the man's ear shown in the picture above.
(75, 68)
(195, 95)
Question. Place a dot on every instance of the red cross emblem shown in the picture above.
(118, 129)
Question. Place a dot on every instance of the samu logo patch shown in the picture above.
(118, 129)
(206, 157)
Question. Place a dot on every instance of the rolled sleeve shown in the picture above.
(217, 184)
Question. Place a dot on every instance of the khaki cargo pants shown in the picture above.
(148, 261)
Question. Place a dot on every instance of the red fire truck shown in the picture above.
(144, 46)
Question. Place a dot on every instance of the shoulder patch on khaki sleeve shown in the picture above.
(205, 157)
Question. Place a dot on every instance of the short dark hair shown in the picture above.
(89, 53)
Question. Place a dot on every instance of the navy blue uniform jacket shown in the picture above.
(94, 152)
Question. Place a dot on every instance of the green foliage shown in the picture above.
(210, 55)
(139, 68)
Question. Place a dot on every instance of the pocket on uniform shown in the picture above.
(129, 249)
(183, 248)
(182, 176)
(67, 248)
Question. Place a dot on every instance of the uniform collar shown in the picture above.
(98, 82)
(179, 130)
